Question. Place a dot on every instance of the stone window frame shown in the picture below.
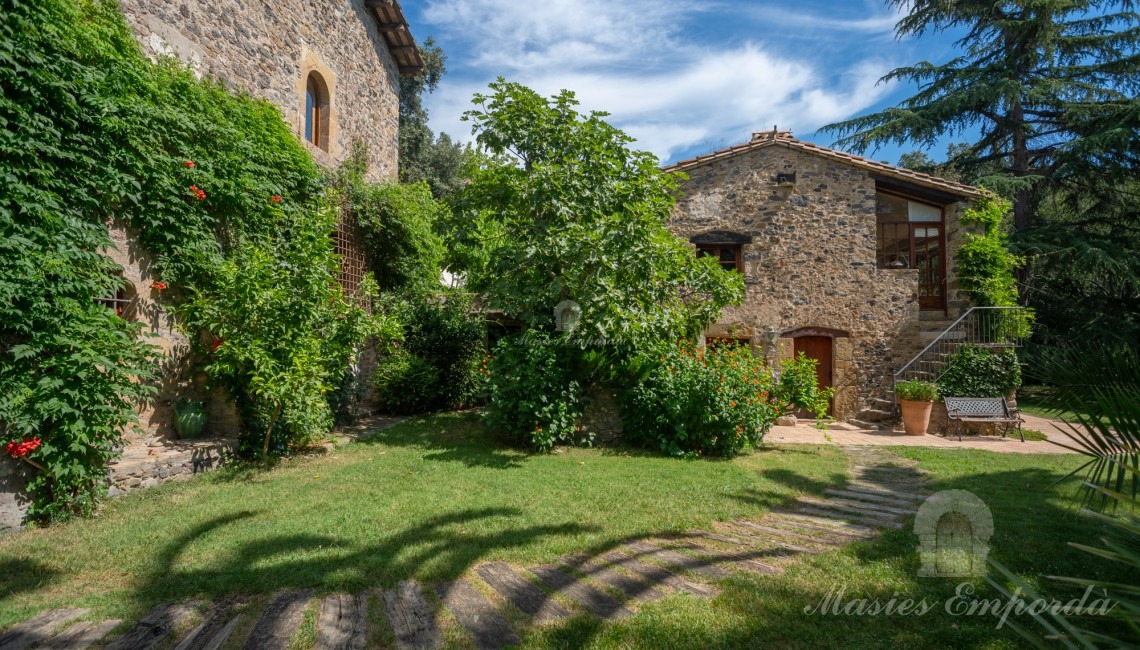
(326, 148)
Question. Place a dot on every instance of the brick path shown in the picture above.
(497, 601)
(807, 434)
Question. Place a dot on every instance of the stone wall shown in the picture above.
(268, 49)
(811, 264)
(144, 467)
(602, 417)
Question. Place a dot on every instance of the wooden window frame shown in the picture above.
(316, 117)
(714, 250)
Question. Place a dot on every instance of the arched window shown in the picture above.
(317, 111)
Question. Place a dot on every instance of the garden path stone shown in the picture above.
(596, 569)
(910, 505)
(154, 628)
(771, 537)
(828, 524)
(911, 497)
(861, 510)
(521, 593)
(212, 634)
(37, 628)
(656, 575)
(80, 636)
(848, 517)
(673, 559)
(482, 621)
(411, 617)
(279, 621)
(747, 561)
(593, 600)
(343, 622)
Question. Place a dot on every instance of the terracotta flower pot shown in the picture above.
(916, 416)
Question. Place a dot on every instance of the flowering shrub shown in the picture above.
(716, 402)
(533, 394)
(799, 387)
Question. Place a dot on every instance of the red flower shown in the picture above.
(198, 194)
(189, 163)
(22, 448)
(158, 285)
(217, 344)
(276, 199)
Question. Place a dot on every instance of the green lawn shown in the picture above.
(433, 497)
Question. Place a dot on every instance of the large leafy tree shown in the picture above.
(1050, 84)
(572, 213)
(436, 160)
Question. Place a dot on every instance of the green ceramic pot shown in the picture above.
(189, 419)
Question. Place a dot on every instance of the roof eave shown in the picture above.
(397, 35)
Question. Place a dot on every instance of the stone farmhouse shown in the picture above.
(847, 260)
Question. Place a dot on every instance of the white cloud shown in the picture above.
(633, 60)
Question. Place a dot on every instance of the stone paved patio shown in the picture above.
(808, 434)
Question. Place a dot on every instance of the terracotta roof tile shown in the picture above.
(785, 139)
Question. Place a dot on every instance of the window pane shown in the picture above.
(728, 255)
(310, 105)
(890, 208)
(924, 213)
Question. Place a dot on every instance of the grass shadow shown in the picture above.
(22, 575)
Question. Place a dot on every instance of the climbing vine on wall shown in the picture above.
(217, 189)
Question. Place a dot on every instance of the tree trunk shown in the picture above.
(269, 432)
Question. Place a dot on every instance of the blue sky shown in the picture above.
(683, 77)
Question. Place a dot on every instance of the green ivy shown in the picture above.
(217, 189)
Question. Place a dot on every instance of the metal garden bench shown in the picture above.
(983, 409)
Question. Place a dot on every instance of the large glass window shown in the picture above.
(909, 236)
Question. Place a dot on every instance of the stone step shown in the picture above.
(595, 569)
(847, 517)
(859, 509)
(592, 600)
(783, 536)
(675, 560)
(154, 628)
(213, 632)
(279, 621)
(926, 336)
(898, 494)
(80, 636)
(866, 425)
(747, 560)
(519, 592)
(342, 623)
(823, 524)
(656, 575)
(411, 617)
(876, 415)
(898, 502)
(38, 628)
(488, 629)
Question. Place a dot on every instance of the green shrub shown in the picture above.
(718, 402)
(799, 387)
(915, 390)
(973, 371)
(533, 394)
(434, 369)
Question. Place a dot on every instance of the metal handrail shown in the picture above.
(974, 329)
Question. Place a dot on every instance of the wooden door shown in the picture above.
(820, 349)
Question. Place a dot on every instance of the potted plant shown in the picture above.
(189, 418)
(916, 398)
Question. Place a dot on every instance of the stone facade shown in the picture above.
(268, 50)
(810, 262)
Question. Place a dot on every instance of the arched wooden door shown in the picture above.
(818, 348)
